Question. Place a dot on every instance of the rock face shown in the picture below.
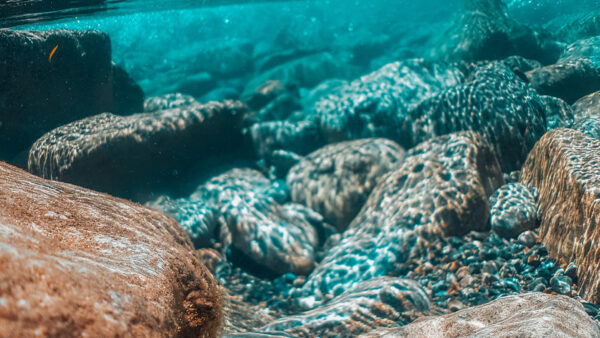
(569, 80)
(588, 49)
(76, 262)
(564, 168)
(238, 210)
(558, 113)
(582, 27)
(441, 189)
(116, 154)
(39, 93)
(493, 102)
(588, 105)
(512, 210)
(483, 31)
(337, 179)
(525, 315)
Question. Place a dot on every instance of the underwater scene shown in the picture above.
(334, 168)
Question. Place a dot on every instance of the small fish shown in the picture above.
(52, 53)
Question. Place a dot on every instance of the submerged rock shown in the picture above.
(39, 93)
(588, 106)
(168, 101)
(376, 303)
(121, 154)
(512, 210)
(582, 27)
(564, 168)
(558, 113)
(441, 189)
(375, 104)
(483, 31)
(527, 315)
(299, 137)
(77, 262)
(493, 102)
(568, 80)
(305, 72)
(583, 49)
(238, 210)
(337, 179)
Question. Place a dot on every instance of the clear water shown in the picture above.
(163, 44)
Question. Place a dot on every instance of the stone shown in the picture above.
(121, 154)
(377, 303)
(441, 189)
(78, 262)
(222, 61)
(582, 27)
(587, 106)
(375, 104)
(587, 48)
(337, 179)
(513, 210)
(237, 211)
(196, 85)
(493, 102)
(527, 315)
(484, 31)
(558, 113)
(305, 72)
(568, 80)
(39, 93)
(564, 168)
(589, 125)
(299, 137)
(168, 101)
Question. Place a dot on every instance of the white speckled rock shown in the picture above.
(525, 315)
(74, 262)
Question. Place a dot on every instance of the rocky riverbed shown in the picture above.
(302, 192)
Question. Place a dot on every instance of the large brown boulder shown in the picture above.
(564, 166)
(526, 315)
(74, 262)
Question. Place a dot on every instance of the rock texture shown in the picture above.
(379, 302)
(526, 315)
(375, 104)
(568, 80)
(587, 106)
(39, 93)
(564, 167)
(483, 31)
(441, 189)
(238, 210)
(337, 179)
(587, 48)
(74, 262)
(493, 102)
(117, 154)
(512, 210)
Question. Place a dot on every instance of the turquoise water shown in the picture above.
(327, 159)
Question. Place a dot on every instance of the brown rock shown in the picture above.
(526, 315)
(74, 262)
(565, 168)
(122, 154)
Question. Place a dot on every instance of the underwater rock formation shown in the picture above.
(558, 113)
(337, 179)
(377, 303)
(583, 49)
(526, 315)
(238, 210)
(582, 27)
(441, 189)
(483, 31)
(118, 154)
(568, 80)
(512, 210)
(300, 137)
(493, 102)
(305, 72)
(168, 101)
(564, 168)
(77, 262)
(39, 91)
(587, 106)
(375, 104)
